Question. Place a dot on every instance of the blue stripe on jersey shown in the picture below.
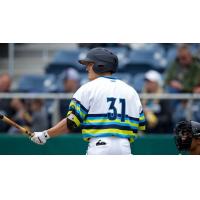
(142, 123)
(82, 107)
(110, 123)
(141, 112)
(107, 126)
(79, 112)
(103, 116)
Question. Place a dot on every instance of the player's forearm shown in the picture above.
(58, 129)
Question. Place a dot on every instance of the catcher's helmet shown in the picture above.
(184, 132)
(103, 59)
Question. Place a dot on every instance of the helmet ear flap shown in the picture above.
(116, 61)
(95, 68)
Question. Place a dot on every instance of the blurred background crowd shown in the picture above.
(54, 68)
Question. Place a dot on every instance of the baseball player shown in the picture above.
(108, 110)
(187, 137)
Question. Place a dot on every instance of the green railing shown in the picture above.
(73, 144)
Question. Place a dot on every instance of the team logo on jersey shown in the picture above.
(99, 143)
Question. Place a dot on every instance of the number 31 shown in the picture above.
(113, 115)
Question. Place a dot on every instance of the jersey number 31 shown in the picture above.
(113, 115)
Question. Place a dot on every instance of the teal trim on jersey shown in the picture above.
(118, 117)
(142, 114)
(109, 77)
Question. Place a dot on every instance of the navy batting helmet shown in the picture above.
(103, 59)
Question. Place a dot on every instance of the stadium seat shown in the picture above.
(37, 83)
(122, 54)
(56, 69)
(133, 68)
(65, 59)
(138, 82)
(126, 77)
(144, 59)
(171, 54)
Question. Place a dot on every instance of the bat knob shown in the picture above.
(1, 116)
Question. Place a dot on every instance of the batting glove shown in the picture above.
(40, 137)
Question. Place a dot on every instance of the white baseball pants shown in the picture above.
(109, 146)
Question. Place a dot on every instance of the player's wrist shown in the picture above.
(46, 135)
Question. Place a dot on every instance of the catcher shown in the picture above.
(187, 137)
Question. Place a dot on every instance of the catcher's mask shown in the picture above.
(184, 132)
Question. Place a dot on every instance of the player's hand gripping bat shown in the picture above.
(12, 123)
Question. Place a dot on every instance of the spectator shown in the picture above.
(22, 116)
(39, 120)
(196, 110)
(180, 112)
(5, 104)
(71, 82)
(157, 113)
(184, 73)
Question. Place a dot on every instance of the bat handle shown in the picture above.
(29, 133)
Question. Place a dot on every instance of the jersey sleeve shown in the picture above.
(79, 105)
(142, 121)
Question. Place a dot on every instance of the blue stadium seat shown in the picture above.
(138, 82)
(122, 54)
(171, 54)
(37, 83)
(68, 56)
(133, 68)
(144, 59)
(64, 59)
(126, 77)
(56, 69)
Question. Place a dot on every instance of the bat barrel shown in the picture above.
(12, 123)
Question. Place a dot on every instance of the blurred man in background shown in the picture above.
(71, 83)
(31, 115)
(21, 116)
(39, 118)
(157, 113)
(184, 73)
(5, 104)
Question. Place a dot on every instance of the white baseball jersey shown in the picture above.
(107, 107)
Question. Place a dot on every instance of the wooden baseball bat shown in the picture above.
(12, 123)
